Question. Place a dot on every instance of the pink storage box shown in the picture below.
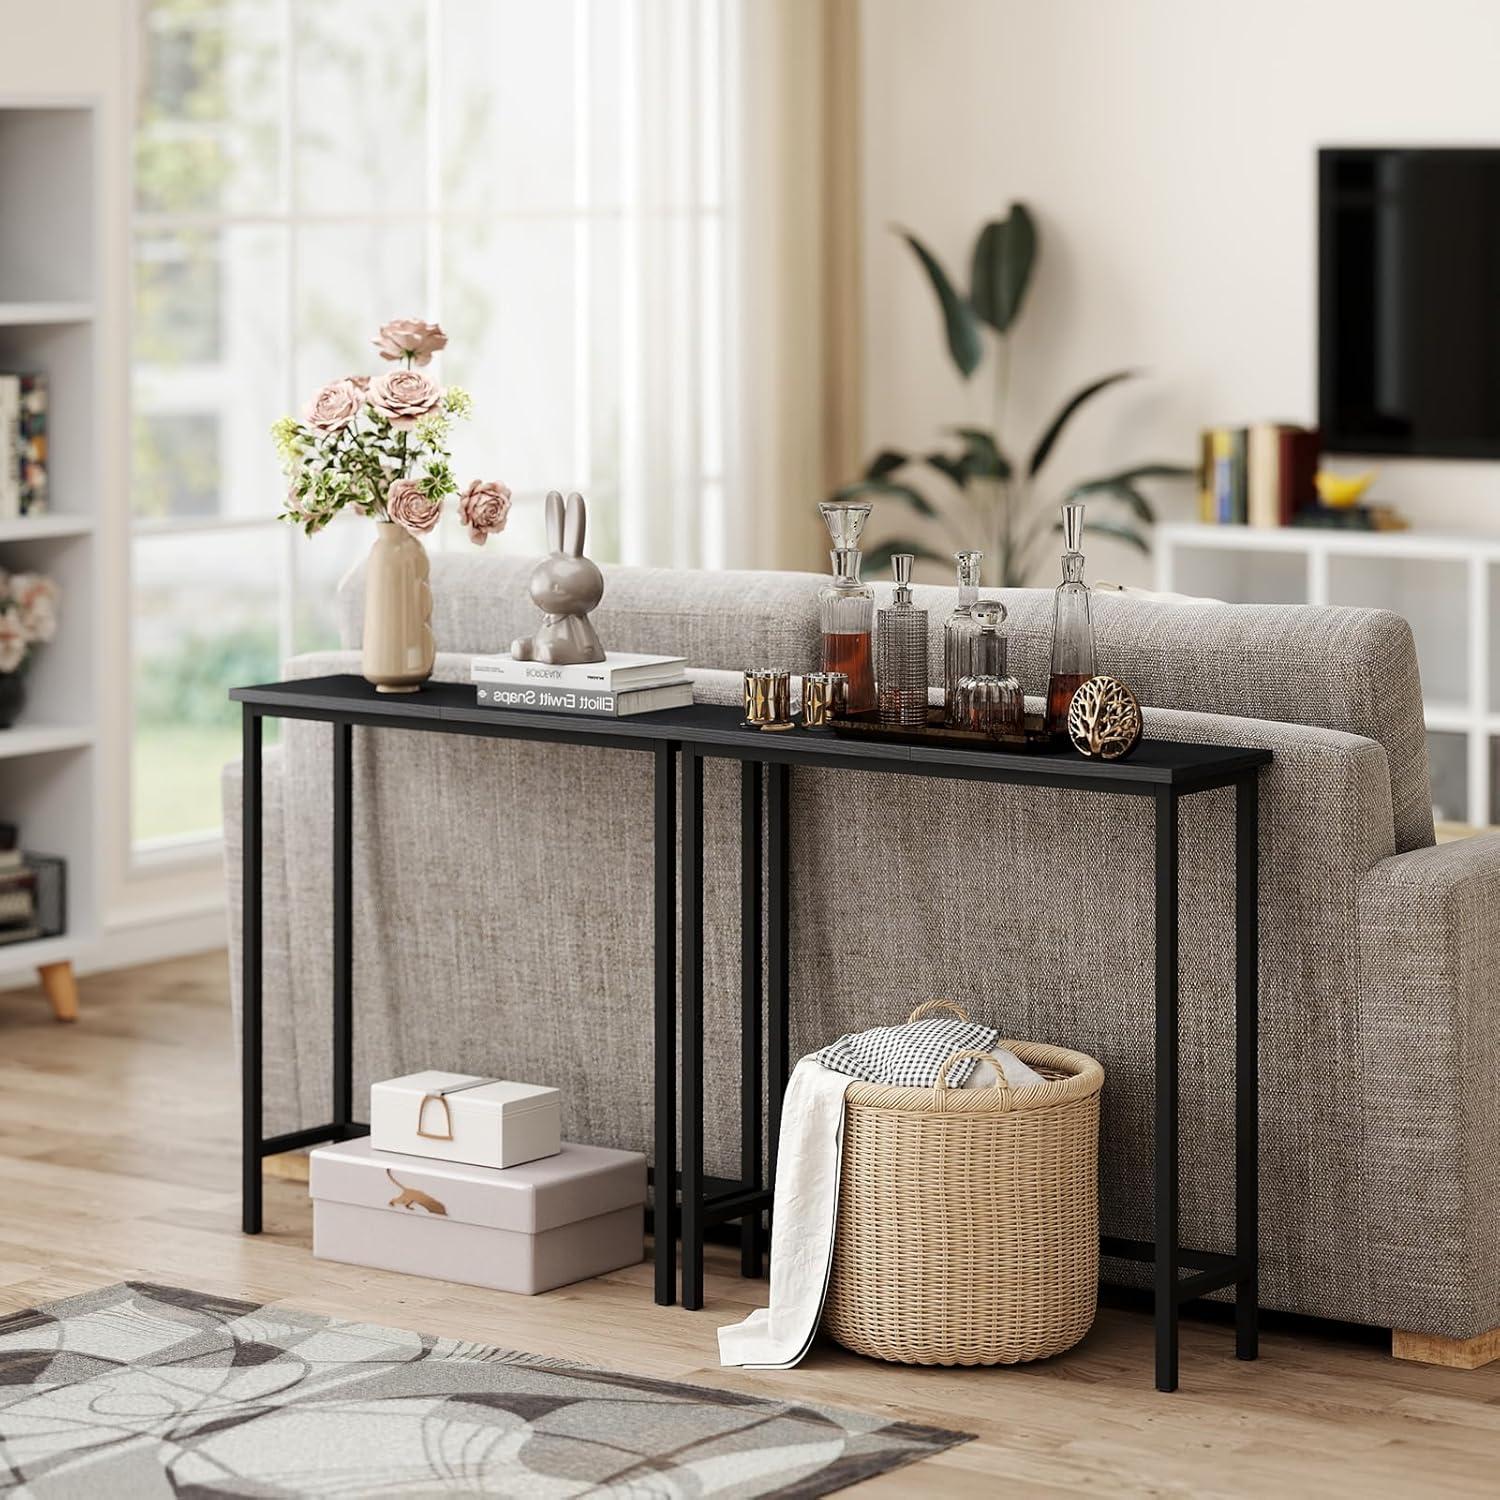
(521, 1229)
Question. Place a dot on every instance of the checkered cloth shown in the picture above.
(909, 1055)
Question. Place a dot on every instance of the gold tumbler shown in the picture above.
(768, 699)
(825, 696)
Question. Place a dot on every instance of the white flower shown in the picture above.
(12, 639)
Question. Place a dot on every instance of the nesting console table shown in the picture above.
(680, 740)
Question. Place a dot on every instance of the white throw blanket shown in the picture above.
(805, 1216)
(802, 1224)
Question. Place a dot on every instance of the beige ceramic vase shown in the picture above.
(398, 645)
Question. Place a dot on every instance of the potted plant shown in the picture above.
(379, 443)
(28, 618)
(988, 498)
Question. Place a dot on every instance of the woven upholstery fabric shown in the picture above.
(1430, 955)
(1353, 670)
(503, 925)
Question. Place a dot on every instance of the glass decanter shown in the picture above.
(846, 607)
(959, 631)
(989, 698)
(901, 646)
(1072, 627)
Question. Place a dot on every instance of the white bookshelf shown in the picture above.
(1442, 583)
(48, 279)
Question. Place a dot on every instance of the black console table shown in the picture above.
(1161, 770)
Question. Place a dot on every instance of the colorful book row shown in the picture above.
(1257, 476)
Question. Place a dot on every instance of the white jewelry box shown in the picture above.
(577, 1214)
(484, 1122)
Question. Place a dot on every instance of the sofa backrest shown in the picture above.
(1352, 670)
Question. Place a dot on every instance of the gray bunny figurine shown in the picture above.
(565, 587)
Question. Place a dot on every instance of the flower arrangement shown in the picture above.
(28, 617)
(379, 443)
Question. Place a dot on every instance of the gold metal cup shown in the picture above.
(768, 699)
(825, 696)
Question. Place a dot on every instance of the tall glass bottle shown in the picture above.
(846, 607)
(1072, 627)
(901, 647)
(959, 631)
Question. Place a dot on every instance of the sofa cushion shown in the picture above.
(1353, 670)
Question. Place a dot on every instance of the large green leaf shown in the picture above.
(982, 454)
(955, 466)
(1121, 533)
(886, 489)
(1060, 421)
(958, 316)
(887, 461)
(1155, 471)
(1004, 254)
(878, 559)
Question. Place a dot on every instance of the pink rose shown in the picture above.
(35, 598)
(12, 640)
(404, 396)
(408, 506)
(361, 383)
(483, 508)
(335, 406)
(410, 336)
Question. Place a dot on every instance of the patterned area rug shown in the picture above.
(154, 1392)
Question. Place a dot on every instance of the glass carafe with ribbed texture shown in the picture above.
(846, 607)
(959, 631)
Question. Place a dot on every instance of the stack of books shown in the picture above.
(23, 445)
(1257, 476)
(18, 909)
(621, 685)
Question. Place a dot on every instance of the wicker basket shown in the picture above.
(968, 1229)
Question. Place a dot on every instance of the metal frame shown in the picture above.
(681, 740)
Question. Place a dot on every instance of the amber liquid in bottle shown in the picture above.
(849, 653)
(1060, 690)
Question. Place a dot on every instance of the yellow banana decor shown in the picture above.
(1339, 491)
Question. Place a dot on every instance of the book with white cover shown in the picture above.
(10, 447)
(542, 697)
(619, 670)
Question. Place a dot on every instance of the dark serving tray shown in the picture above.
(936, 732)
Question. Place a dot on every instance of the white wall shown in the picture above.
(1167, 148)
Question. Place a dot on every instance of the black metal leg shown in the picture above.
(752, 1018)
(779, 954)
(250, 999)
(1247, 1067)
(343, 925)
(692, 1029)
(665, 984)
(1166, 1229)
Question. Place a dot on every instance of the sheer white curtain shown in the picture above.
(570, 186)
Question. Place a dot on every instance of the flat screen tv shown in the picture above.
(1409, 301)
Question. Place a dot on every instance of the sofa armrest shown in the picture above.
(1429, 933)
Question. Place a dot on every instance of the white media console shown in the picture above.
(1443, 584)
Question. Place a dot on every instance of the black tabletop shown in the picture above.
(712, 729)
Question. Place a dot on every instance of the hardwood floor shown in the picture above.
(118, 1159)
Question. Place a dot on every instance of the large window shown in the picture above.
(544, 177)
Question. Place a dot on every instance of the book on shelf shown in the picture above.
(1256, 476)
(547, 698)
(23, 445)
(619, 671)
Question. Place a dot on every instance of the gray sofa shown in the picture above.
(503, 919)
